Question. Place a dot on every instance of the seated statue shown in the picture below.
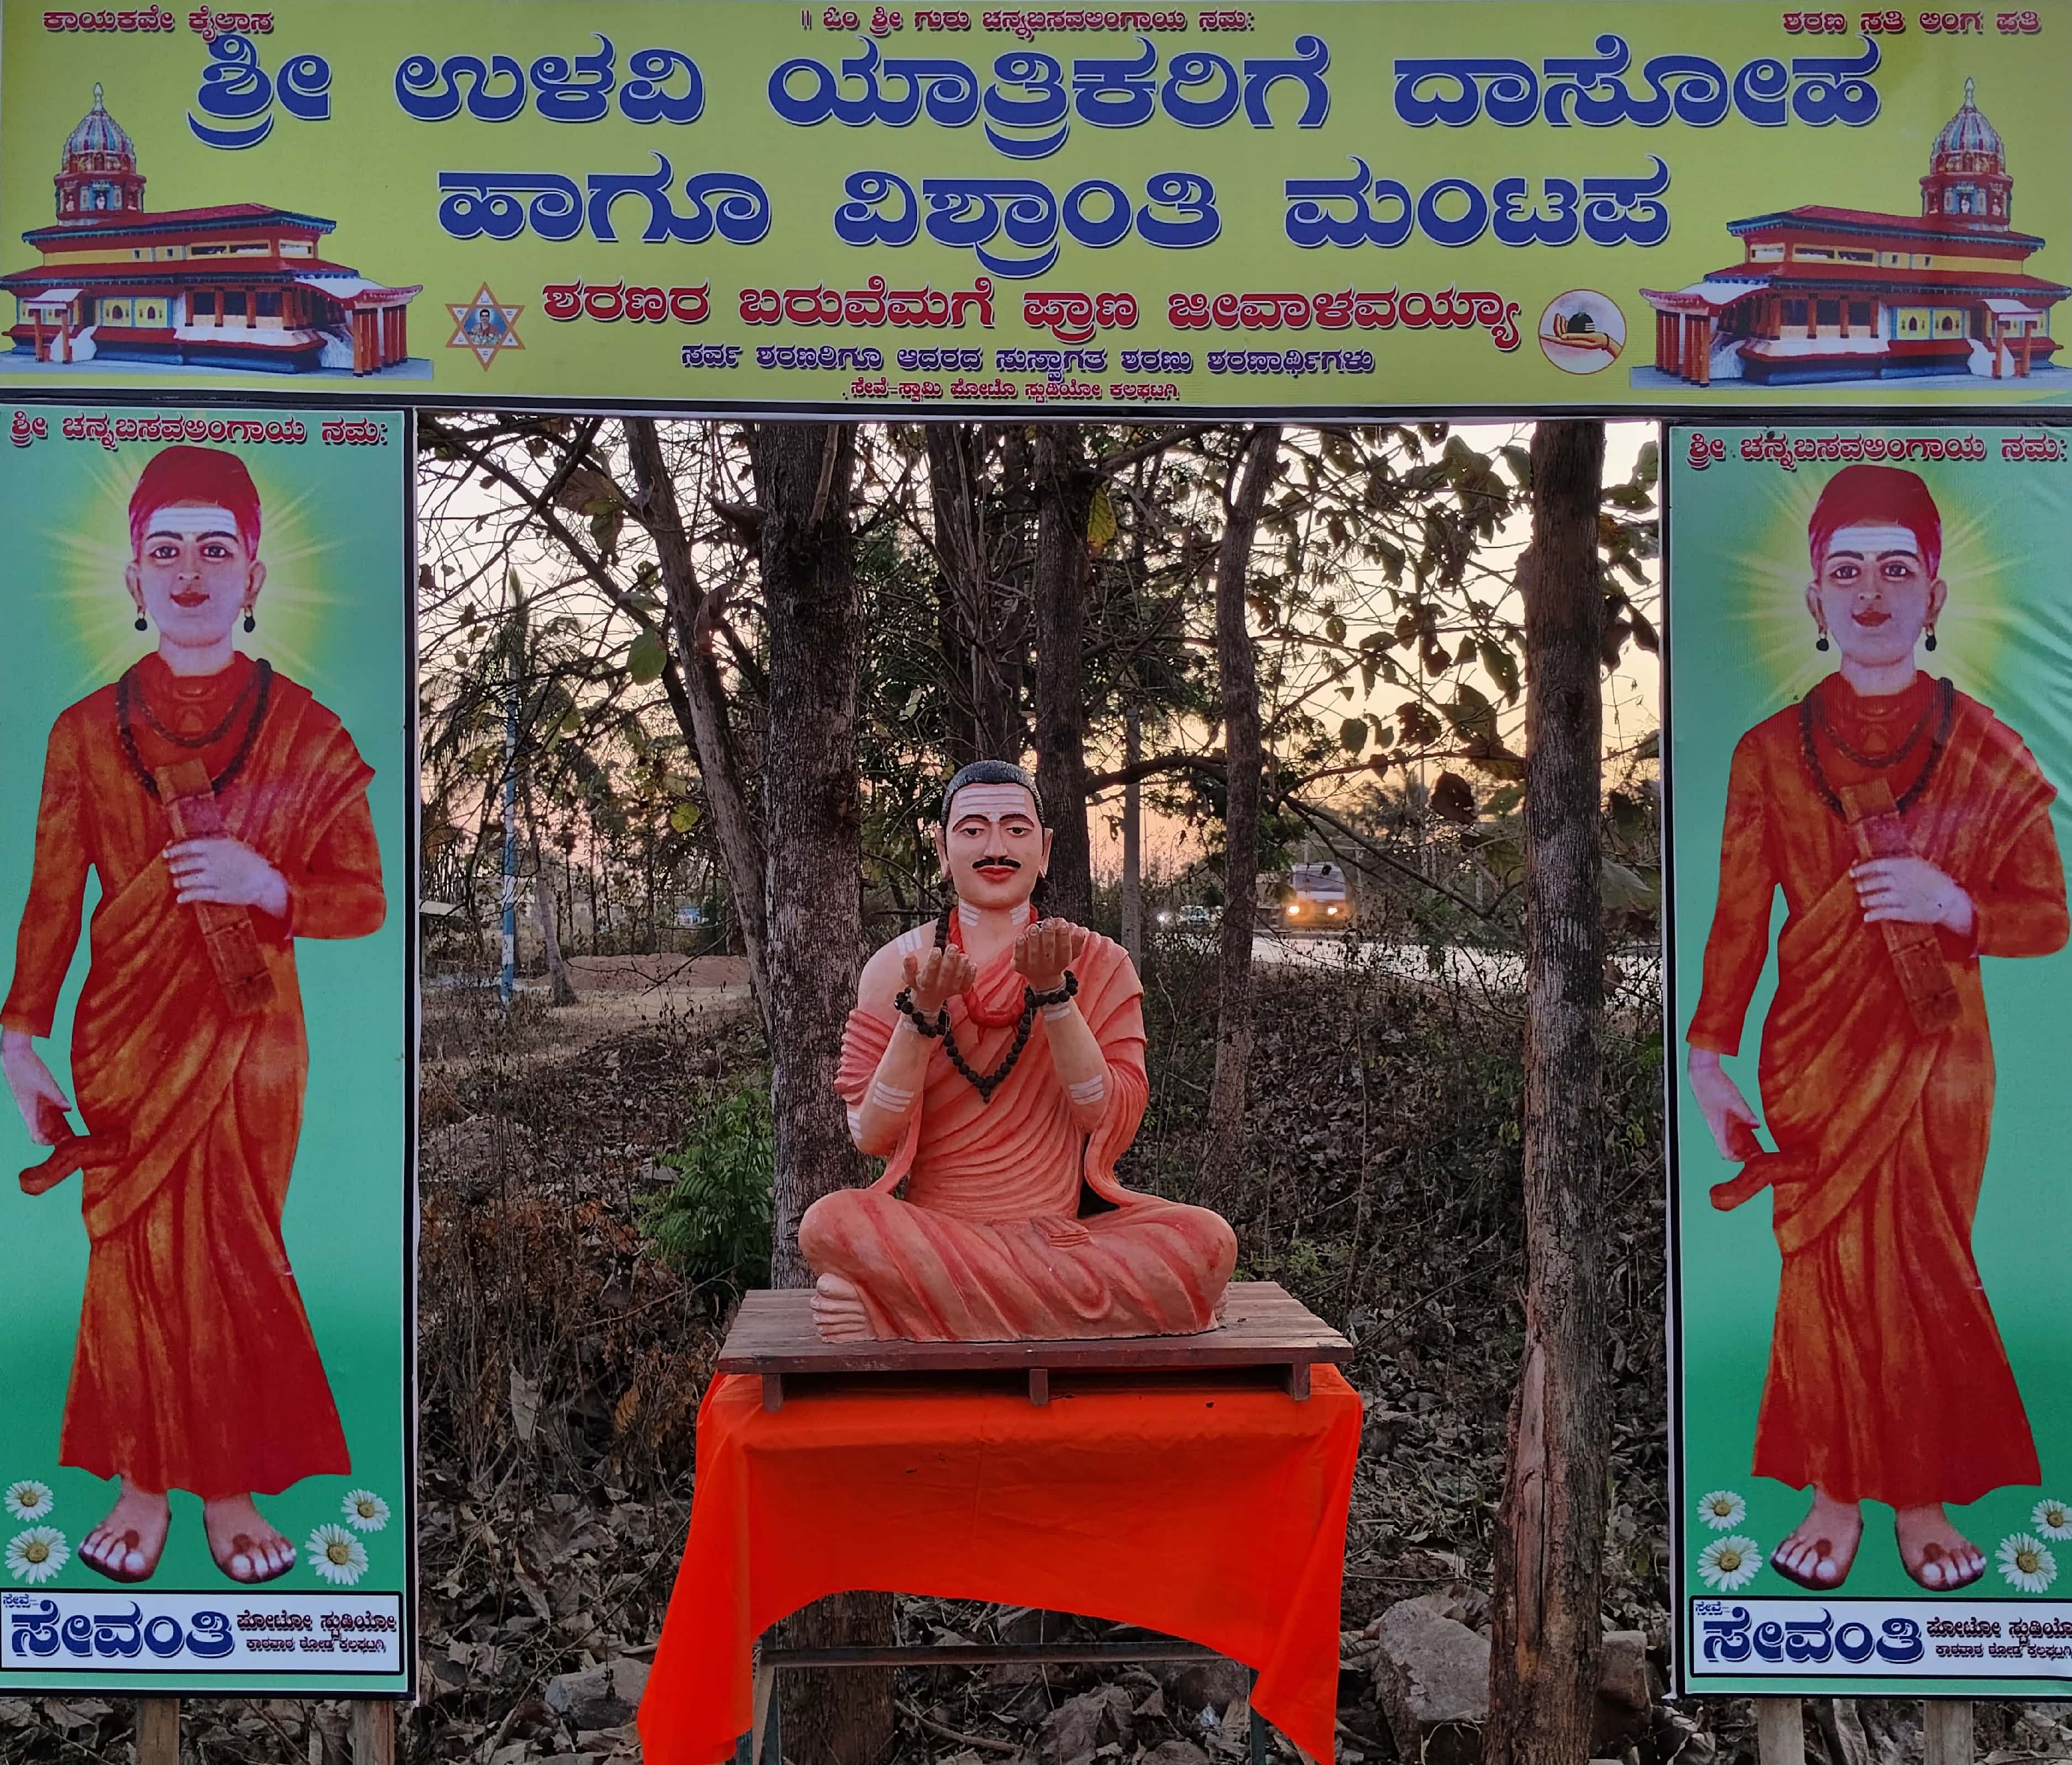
(996, 1060)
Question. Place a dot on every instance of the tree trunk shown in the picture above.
(984, 720)
(1132, 837)
(1237, 673)
(1064, 503)
(812, 810)
(698, 696)
(1545, 1616)
(560, 990)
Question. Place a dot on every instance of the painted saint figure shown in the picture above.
(1910, 831)
(996, 1060)
(225, 813)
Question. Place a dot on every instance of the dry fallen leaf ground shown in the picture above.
(562, 1368)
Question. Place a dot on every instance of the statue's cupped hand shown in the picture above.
(1046, 950)
(939, 976)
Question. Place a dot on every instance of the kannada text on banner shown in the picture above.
(729, 204)
(205, 1459)
(1867, 728)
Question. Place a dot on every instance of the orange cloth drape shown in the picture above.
(1192, 1505)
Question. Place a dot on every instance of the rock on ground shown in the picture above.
(1080, 1727)
(1212, 1683)
(1431, 1674)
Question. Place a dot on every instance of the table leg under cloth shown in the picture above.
(1189, 1504)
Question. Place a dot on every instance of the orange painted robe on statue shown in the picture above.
(195, 1368)
(1887, 1379)
(987, 1244)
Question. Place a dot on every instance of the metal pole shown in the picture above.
(507, 984)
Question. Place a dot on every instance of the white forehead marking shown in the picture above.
(994, 802)
(1872, 541)
(175, 518)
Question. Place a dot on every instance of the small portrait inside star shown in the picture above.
(484, 326)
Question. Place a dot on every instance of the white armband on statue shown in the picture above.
(1088, 1091)
(855, 1122)
(1063, 1008)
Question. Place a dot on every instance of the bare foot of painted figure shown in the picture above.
(244, 1546)
(1821, 1551)
(838, 1310)
(127, 1544)
(1935, 1553)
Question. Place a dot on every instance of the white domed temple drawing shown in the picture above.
(1825, 295)
(240, 285)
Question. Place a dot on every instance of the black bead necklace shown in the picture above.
(985, 1084)
(127, 685)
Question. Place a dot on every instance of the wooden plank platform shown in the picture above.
(1263, 1326)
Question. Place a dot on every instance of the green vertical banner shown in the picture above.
(206, 856)
(1868, 725)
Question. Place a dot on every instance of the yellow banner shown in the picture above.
(1329, 208)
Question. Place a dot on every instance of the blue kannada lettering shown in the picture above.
(580, 92)
(1028, 104)
(1731, 1640)
(970, 214)
(1364, 210)
(947, 90)
(1591, 90)
(118, 1635)
(491, 204)
(561, 90)
(234, 88)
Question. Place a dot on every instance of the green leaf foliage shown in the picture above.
(712, 1225)
(647, 658)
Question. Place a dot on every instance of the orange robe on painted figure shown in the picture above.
(1888, 1379)
(194, 1366)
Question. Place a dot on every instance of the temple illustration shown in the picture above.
(238, 285)
(1824, 294)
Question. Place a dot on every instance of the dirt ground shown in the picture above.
(561, 1366)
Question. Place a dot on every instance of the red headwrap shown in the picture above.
(195, 475)
(1877, 496)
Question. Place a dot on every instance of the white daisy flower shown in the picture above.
(29, 1499)
(37, 1554)
(364, 1511)
(336, 1555)
(1729, 1564)
(2052, 1519)
(2026, 1564)
(1722, 1510)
